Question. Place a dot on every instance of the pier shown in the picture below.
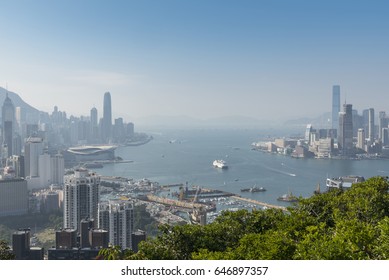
(218, 193)
(263, 204)
(172, 202)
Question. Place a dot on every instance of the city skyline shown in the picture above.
(200, 59)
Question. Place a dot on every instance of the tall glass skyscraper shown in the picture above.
(107, 118)
(345, 135)
(335, 106)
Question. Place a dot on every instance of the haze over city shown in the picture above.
(202, 59)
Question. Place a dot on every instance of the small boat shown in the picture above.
(257, 189)
(253, 189)
(219, 163)
(289, 197)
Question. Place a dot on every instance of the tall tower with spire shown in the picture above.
(8, 122)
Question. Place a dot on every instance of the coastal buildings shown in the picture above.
(75, 155)
(354, 136)
(344, 182)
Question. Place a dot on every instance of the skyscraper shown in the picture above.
(8, 118)
(107, 118)
(345, 136)
(385, 136)
(57, 169)
(32, 150)
(117, 217)
(383, 123)
(81, 197)
(44, 168)
(335, 106)
(93, 117)
(20, 118)
(371, 125)
(308, 131)
(94, 127)
(361, 139)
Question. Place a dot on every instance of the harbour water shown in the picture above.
(179, 156)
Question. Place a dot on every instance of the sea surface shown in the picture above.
(180, 156)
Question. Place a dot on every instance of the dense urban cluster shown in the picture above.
(44, 160)
(347, 134)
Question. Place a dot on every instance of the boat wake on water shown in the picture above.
(281, 172)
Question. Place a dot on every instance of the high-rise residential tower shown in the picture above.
(81, 197)
(117, 217)
(32, 150)
(8, 119)
(335, 106)
(107, 118)
(57, 169)
(345, 136)
(361, 139)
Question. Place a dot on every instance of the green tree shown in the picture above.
(114, 253)
(5, 251)
(381, 251)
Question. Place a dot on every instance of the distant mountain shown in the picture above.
(240, 121)
(322, 121)
(168, 121)
(183, 121)
(31, 113)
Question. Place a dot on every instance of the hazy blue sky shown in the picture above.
(197, 58)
